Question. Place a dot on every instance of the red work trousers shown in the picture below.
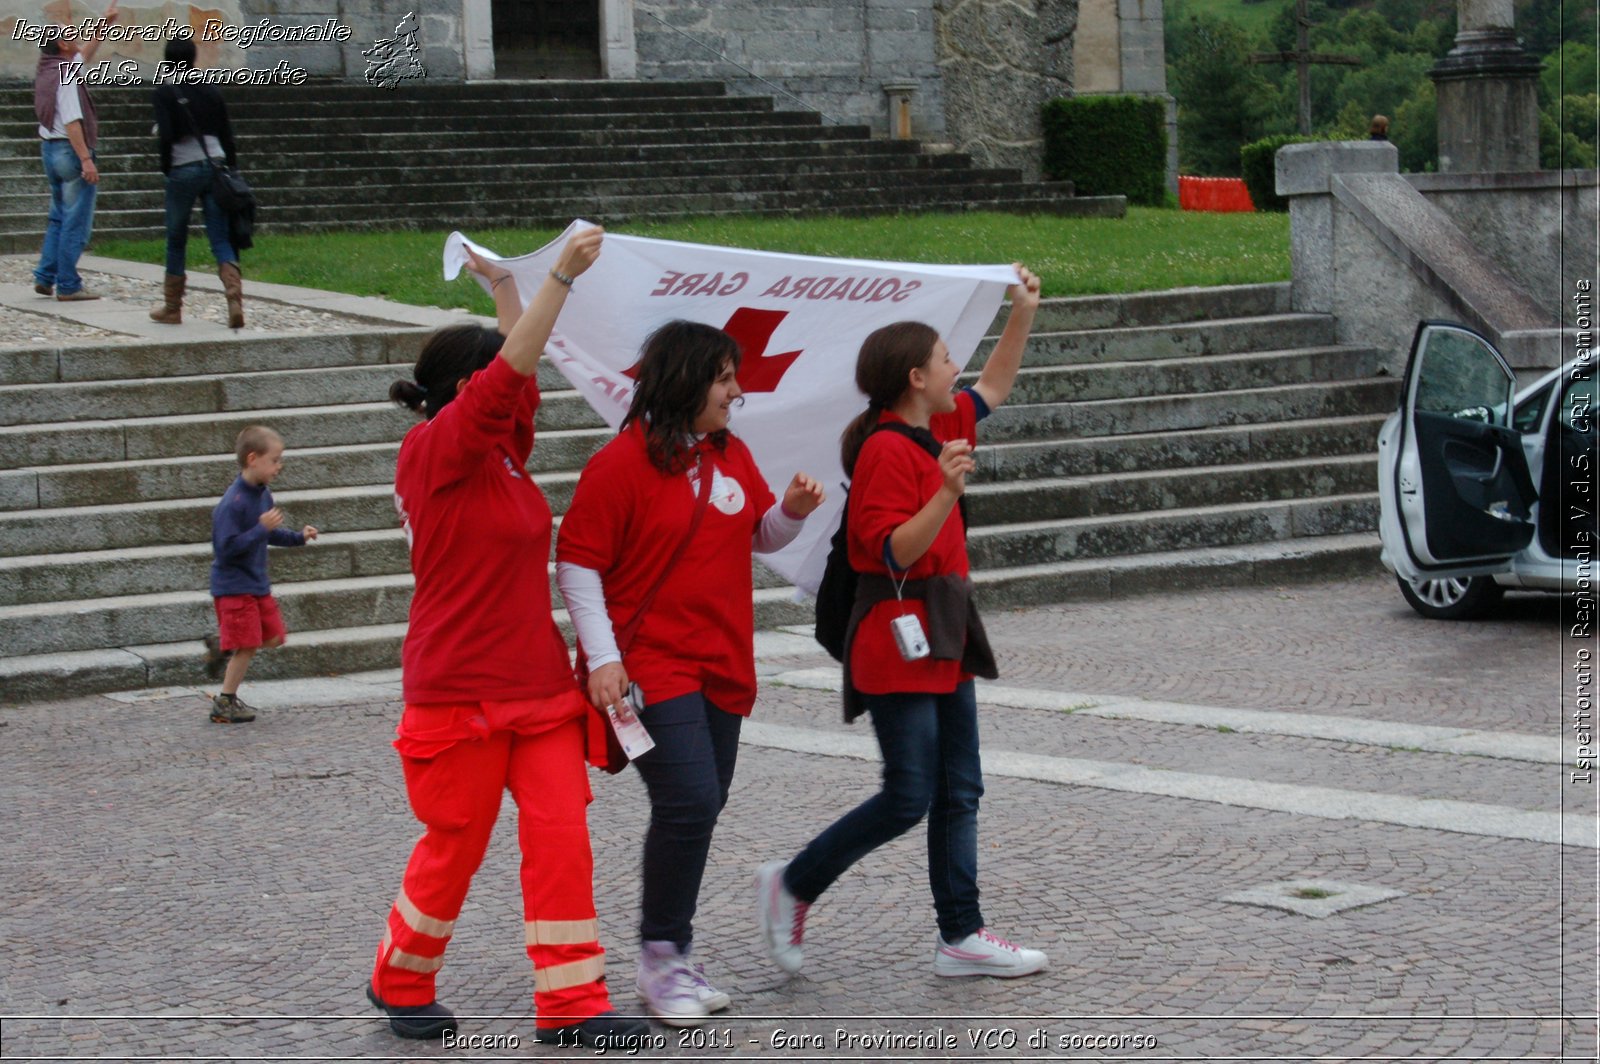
(472, 753)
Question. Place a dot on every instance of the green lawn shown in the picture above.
(1149, 249)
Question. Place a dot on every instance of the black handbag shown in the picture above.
(229, 188)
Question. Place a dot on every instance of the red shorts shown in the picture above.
(245, 622)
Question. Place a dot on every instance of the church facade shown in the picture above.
(972, 73)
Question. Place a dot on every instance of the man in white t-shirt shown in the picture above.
(68, 129)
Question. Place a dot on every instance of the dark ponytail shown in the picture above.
(451, 354)
(883, 373)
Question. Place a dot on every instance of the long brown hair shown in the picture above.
(883, 373)
(677, 366)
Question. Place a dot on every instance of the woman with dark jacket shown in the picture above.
(184, 113)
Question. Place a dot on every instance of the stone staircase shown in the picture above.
(342, 156)
(1155, 441)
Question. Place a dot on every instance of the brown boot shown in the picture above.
(233, 288)
(170, 312)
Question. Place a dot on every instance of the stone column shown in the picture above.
(1488, 94)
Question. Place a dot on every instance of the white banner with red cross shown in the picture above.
(799, 320)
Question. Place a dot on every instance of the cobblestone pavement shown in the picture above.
(178, 890)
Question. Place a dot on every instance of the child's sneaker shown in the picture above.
(216, 659)
(227, 709)
(668, 986)
(782, 917)
(985, 953)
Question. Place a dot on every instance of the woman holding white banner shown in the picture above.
(914, 640)
(490, 700)
(654, 553)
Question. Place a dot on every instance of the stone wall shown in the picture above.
(1001, 60)
(439, 34)
(835, 55)
(1539, 226)
(1380, 251)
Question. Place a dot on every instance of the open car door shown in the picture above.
(1462, 478)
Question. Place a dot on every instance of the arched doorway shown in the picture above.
(546, 38)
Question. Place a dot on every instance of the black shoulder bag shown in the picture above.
(229, 188)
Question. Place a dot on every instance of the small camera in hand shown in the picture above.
(909, 638)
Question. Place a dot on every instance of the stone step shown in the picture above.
(127, 132)
(1170, 413)
(339, 93)
(199, 476)
(375, 166)
(788, 160)
(92, 575)
(1031, 543)
(41, 404)
(748, 129)
(1146, 451)
(80, 528)
(372, 647)
(1146, 309)
(134, 567)
(1209, 374)
(132, 620)
(495, 192)
(1251, 564)
(1187, 339)
(124, 360)
(1032, 500)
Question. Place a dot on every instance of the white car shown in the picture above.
(1481, 489)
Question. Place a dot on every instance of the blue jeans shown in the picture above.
(66, 234)
(185, 184)
(930, 768)
(687, 776)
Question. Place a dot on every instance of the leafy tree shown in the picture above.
(1222, 98)
(1544, 25)
(1414, 130)
(1568, 71)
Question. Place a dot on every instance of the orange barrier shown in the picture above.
(1213, 194)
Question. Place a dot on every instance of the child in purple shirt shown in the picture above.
(242, 526)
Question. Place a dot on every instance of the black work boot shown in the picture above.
(415, 1021)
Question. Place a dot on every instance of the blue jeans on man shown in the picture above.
(185, 184)
(931, 768)
(71, 218)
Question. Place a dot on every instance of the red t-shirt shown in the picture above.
(626, 520)
(895, 478)
(479, 530)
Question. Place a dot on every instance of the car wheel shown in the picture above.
(1451, 600)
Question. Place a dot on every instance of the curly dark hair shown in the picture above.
(677, 366)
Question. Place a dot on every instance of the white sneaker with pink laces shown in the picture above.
(781, 916)
(986, 953)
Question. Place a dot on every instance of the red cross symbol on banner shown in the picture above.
(752, 329)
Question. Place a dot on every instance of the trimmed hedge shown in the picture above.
(1258, 162)
(1108, 146)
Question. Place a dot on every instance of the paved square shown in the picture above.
(179, 890)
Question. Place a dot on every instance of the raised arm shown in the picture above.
(92, 45)
(1000, 372)
(527, 331)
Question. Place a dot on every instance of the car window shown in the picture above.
(1460, 376)
(1530, 412)
(1577, 405)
